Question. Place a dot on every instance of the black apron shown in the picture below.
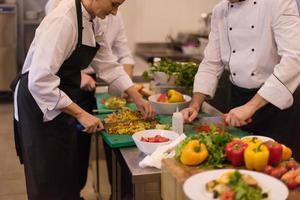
(282, 125)
(49, 149)
(87, 101)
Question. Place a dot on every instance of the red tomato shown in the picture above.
(227, 195)
(162, 98)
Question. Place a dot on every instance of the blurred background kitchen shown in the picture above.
(172, 29)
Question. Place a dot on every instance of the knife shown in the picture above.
(217, 119)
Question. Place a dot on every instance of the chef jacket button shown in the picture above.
(254, 2)
(233, 51)
(252, 50)
(231, 6)
(252, 26)
(230, 28)
(233, 74)
(252, 74)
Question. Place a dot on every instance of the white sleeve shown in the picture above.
(120, 45)
(52, 47)
(211, 67)
(106, 66)
(279, 87)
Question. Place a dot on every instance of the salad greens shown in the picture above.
(215, 143)
(183, 71)
(244, 191)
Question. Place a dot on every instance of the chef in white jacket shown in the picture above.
(115, 35)
(259, 41)
(46, 95)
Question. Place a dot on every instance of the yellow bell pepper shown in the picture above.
(193, 153)
(174, 96)
(252, 141)
(286, 152)
(256, 157)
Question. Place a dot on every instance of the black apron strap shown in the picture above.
(79, 22)
(14, 83)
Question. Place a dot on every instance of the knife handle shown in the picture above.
(79, 127)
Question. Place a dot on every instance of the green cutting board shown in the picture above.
(103, 109)
(118, 141)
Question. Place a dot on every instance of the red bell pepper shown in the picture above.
(235, 152)
(275, 150)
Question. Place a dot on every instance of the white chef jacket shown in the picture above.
(55, 40)
(115, 34)
(260, 42)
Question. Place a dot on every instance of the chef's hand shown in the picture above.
(239, 116)
(143, 105)
(242, 115)
(189, 114)
(87, 82)
(91, 123)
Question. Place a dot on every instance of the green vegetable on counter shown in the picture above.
(215, 144)
(183, 71)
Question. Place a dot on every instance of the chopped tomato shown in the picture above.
(162, 98)
(227, 195)
(155, 139)
(103, 101)
(204, 128)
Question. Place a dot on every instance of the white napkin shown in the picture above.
(164, 151)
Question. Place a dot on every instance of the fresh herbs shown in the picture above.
(184, 72)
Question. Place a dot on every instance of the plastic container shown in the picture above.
(177, 122)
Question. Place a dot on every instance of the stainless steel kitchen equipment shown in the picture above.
(8, 45)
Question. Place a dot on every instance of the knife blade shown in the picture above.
(218, 119)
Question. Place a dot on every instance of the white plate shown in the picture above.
(262, 138)
(194, 187)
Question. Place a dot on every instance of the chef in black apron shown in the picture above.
(258, 41)
(46, 94)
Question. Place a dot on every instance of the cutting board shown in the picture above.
(118, 141)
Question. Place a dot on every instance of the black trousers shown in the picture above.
(281, 125)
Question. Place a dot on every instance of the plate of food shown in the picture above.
(259, 137)
(235, 185)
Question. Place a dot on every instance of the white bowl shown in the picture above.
(149, 147)
(260, 137)
(168, 108)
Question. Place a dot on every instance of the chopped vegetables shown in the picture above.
(114, 102)
(155, 139)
